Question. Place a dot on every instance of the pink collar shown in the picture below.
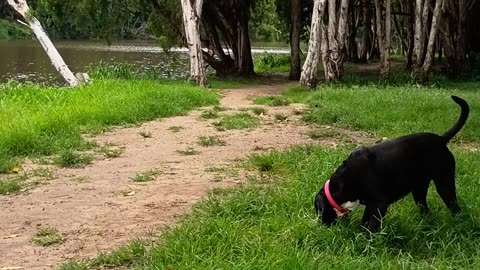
(330, 199)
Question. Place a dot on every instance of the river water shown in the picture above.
(26, 61)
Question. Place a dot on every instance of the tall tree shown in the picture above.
(309, 76)
(384, 28)
(192, 12)
(295, 32)
(333, 43)
(22, 8)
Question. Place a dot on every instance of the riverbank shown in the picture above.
(13, 31)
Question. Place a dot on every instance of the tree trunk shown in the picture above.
(436, 19)
(352, 36)
(309, 76)
(418, 38)
(295, 29)
(383, 36)
(367, 40)
(334, 54)
(22, 8)
(192, 12)
(411, 34)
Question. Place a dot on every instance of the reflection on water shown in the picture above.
(26, 61)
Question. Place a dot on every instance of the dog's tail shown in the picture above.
(461, 120)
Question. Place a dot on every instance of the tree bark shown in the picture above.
(295, 29)
(192, 11)
(309, 76)
(411, 34)
(333, 55)
(418, 37)
(22, 8)
(383, 36)
(436, 19)
(367, 40)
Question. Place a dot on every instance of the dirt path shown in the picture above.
(99, 208)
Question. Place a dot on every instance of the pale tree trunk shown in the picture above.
(333, 55)
(418, 37)
(192, 12)
(384, 27)
(309, 76)
(296, 18)
(22, 8)
(436, 19)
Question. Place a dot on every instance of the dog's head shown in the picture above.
(346, 183)
(324, 209)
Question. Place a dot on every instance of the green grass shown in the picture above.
(13, 30)
(46, 237)
(273, 101)
(391, 110)
(48, 121)
(72, 159)
(131, 255)
(145, 176)
(237, 121)
(10, 186)
(209, 114)
(271, 63)
(207, 141)
(274, 226)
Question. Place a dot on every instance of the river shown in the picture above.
(26, 61)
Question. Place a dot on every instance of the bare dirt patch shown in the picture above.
(99, 207)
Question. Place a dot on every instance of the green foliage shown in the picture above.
(264, 21)
(270, 63)
(46, 121)
(71, 159)
(10, 30)
(73, 19)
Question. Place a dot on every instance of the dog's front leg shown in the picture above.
(367, 214)
(376, 216)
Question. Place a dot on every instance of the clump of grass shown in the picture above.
(218, 108)
(46, 237)
(259, 111)
(263, 163)
(273, 101)
(145, 134)
(7, 165)
(237, 121)
(146, 176)
(10, 186)
(280, 117)
(271, 63)
(110, 152)
(104, 70)
(175, 128)
(321, 134)
(72, 159)
(46, 173)
(209, 114)
(188, 152)
(210, 141)
(128, 256)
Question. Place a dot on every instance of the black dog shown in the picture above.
(380, 175)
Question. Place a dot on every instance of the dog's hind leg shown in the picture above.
(445, 184)
(420, 196)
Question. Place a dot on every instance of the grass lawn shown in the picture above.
(270, 223)
(37, 121)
